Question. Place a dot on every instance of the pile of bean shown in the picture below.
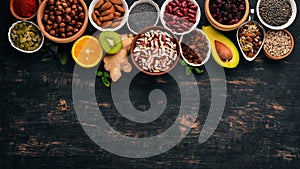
(108, 13)
(277, 43)
(155, 51)
(195, 47)
(26, 36)
(63, 18)
(227, 12)
(275, 12)
(180, 15)
(141, 16)
(250, 38)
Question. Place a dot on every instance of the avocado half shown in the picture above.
(223, 49)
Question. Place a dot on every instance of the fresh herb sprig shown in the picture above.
(189, 69)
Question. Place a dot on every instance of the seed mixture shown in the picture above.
(155, 51)
(195, 47)
(250, 38)
(275, 12)
(141, 16)
(277, 43)
(26, 36)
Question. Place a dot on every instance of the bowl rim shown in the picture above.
(21, 50)
(140, 2)
(124, 20)
(264, 38)
(287, 54)
(223, 27)
(198, 17)
(19, 17)
(148, 29)
(56, 39)
(284, 26)
(208, 53)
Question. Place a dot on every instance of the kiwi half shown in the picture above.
(110, 41)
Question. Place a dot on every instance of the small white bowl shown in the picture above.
(144, 1)
(290, 21)
(208, 53)
(125, 17)
(198, 16)
(25, 51)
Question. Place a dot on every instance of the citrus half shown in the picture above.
(87, 52)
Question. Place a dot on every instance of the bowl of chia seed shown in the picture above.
(142, 14)
(276, 14)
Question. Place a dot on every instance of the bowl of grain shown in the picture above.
(278, 44)
(276, 14)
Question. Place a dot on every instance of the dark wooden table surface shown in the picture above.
(260, 126)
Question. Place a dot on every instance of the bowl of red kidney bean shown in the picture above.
(155, 50)
(195, 48)
(227, 15)
(180, 16)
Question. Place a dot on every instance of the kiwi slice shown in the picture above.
(110, 41)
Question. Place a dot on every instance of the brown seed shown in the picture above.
(104, 13)
(119, 8)
(62, 25)
(108, 17)
(98, 22)
(69, 28)
(68, 10)
(97, 13)
(99, 3)
(62, 30)
(69, 34)
(106, 6)
(68, 18)
(117, 14)
(115, 24)
(223, 51)
(94, 17)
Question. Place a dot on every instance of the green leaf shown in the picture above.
(105, 81)
(188, 70)
(54, 49)
(63, 59)
(99, 73)
(182, 62)
(46, 59)
(196, 70)
(106, 74)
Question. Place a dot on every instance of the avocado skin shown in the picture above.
(214, 35)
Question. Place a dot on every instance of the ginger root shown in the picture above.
(119, 61)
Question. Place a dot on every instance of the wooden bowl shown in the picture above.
(223, 27)
(283, 56)
(11, 6)
(134, 43)
(40, 15)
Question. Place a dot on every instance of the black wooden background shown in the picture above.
(260, 127)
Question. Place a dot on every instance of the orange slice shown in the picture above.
(87, 52)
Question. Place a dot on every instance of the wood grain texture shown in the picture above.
(260, 127)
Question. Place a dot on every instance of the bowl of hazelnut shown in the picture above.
(62, 21)
(227, 15)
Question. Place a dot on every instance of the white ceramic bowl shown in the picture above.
(290, 21)
(208, 53)
(144, 1)
(25, 51)
(198, 16)
(125, 17)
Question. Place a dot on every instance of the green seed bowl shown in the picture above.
(21, 50)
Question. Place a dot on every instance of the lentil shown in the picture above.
(277, 43)
(275, 12)
(141, 16)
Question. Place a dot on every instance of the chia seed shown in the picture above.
(275, 12)
(141, 16)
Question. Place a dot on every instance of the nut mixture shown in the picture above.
(108, 13)
(250, 38)
(277, 43)
(195, 47)
(180, 15)
(26, 36)
(63, 18)
(155, 51)
(227, 12)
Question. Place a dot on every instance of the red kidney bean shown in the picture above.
(183, 14)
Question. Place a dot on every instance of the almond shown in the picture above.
(115, 24)
(120, 8)
(104, 13)
(106, 6)
(98, 4)
(106, 24)
(118, 2)
(223, 51)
